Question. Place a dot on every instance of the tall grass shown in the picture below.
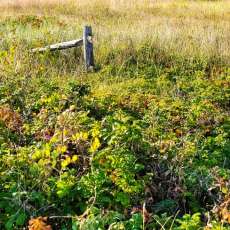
(125, 31)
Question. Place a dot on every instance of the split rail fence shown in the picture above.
(86, 41)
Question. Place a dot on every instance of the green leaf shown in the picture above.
(75, 226)
(9, 224)
(123, 199)
(21, 219)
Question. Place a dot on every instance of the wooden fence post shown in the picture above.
(86, 41)
(88, 47)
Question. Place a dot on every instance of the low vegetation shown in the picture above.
(141, 143)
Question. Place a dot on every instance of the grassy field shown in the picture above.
(140, 143)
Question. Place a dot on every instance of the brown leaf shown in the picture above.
(39, 223)
(223, 210)
(10, 118)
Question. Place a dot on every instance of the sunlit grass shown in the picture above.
(191, 28)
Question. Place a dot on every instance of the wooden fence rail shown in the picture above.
(86, 42)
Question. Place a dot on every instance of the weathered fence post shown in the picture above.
(86, 41)
(88, 47)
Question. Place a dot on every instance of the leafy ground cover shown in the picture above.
(141, 143)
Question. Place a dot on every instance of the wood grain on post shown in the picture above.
(88, 47)
(60, 46)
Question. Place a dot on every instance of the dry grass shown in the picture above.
(175, 7)
(20, 4)
(191, 28)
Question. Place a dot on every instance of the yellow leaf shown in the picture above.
(96, 130)
(76, 136)
(72, 107)
(37, 155)
(61, 148)
(74, 158)
(95, 145)
(85, 136)
(80, 135)
(224, 190)
(66, 162)
(47, 151)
